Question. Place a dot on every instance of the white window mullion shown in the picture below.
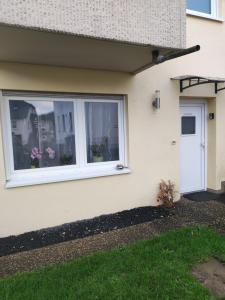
(121, 131)
(81, 134)
(76, 130)
(7, 137)
(214, 7)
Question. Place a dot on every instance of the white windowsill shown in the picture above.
(202, 15)
(44, 178)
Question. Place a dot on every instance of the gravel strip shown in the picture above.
(80, 229)
(187, 213)
(29, 260)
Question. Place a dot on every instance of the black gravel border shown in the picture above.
(71, 231)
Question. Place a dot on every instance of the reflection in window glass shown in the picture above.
(102, 131)
(71, 121)
(204, 6)
(188, 125)
(64, 123)
(37, 139)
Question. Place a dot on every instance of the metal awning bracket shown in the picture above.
(217, 89)
(188, 81)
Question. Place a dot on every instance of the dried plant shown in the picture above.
(166, 193)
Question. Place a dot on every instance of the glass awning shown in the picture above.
(188, 81)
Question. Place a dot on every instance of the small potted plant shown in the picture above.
(36, 155)
(97, 152)
(66, 159)
(166, 193)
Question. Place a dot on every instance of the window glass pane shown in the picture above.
(102, 131)
(42, 133)
(188, 125)
(204, 6)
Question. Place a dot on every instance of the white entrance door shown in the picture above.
(192, 147)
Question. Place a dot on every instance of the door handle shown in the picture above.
(203, 146)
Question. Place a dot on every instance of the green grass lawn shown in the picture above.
(154, 269)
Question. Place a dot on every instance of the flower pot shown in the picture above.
(97, 158)
(34, 163)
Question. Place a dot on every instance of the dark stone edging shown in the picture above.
(71, 231)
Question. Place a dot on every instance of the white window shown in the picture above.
(93, 145)
(204, 8)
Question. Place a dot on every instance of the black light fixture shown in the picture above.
(211, 116)
(156, 101)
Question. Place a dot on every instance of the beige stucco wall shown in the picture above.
(210, 61)
(160, 22)
(28, 208)
(152, 156)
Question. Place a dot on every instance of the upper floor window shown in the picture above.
(207, 8)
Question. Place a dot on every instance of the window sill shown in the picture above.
(204, 16)
(41, 178)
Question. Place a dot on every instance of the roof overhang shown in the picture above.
(49, 48)
(188, 81)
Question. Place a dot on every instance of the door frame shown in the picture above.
(204, 104)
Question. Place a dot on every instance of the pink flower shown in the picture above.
(38, 156)
(51, 153)
(36, 153)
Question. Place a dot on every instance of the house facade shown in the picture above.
(79, 135)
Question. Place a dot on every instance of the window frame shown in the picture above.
(213, 15)
(82, 169)
(188, 134)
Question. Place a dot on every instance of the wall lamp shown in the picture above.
(156, 101)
